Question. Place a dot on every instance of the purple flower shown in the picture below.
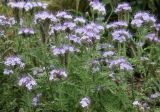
(69, 25)
(121, 63)
(19, 5)
(79, 20)
(108, 53)
(27, 5)
(90, 29)
(62, 27)
(145, 17)
(142, 18)
(126, 66)
(57, 74)
(123, 7)
(2, 17)
(64, 49)
(92, 35)
(157, 27)
(38, 70)
(4, 21)
(26, 31)
(79, 30)
(13, 61)
(74, 38)
(98, 7)
(95, 66)
(116, 25)
(121, 35)
(90, 38)
(12, 21)
(40, 4)
(85, 102)
(28, 82)
(36, 99)
(152, 37)
(86, 40)
(63, 15)
(94, 27)
(137, 22)
(41, 16)
(56, 27)
(8, 71)
(89, 33)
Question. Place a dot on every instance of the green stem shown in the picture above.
(124, 48)
(50, 83)
(28, 102)
(77, 5)
(132, 87)
(110, 13)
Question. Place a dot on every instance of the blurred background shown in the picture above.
(153, 6)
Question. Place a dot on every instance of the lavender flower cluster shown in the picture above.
(27, 5)
(10, 63)
(118, 28)
(117, 25)
(85, 102)
(26, 31)
(13, 61)
(142, 18)
(152, 37)
(98, 7)
(123, 7)
(86, 34)
(44, 15)
(36, 99)
(121, 64)
(121, 35)
(63, 50)
(4, 21)
(28, 82)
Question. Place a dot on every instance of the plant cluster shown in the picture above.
(71, 62)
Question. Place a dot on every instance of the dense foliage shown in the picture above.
(81, 56)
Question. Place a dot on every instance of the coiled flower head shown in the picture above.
(26, 31)
(63, 15)
(152, 37)
(13, 61)
(121, 64)
(123, 7)
(142, 18)
(43, 15)
(57, 74)
(28, 82)
(121, 35)
(117, 25)
(63, 50)
(98, 7)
